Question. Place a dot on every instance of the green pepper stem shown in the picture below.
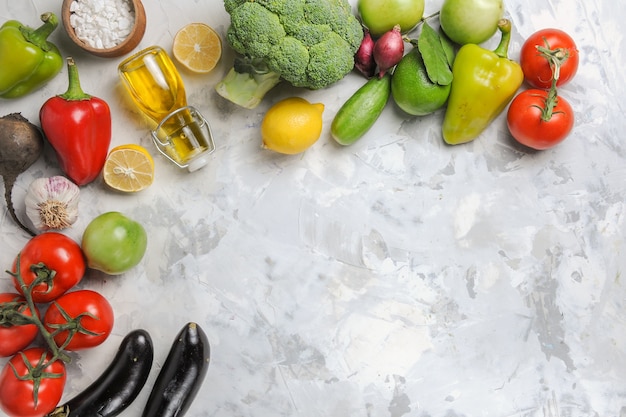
(74, 90)
(39, 36)
(504, 26)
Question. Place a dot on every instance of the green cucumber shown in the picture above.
(361, 110)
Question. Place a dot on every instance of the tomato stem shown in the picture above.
(35, 373)
(11, 314)
(556, 57)
(57, 353)
(43, 274)
(552, 99)
(72, 325)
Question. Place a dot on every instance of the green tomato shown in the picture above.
(113, 243)
(380, 16)
(470, 21)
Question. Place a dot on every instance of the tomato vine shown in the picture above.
(57, 352)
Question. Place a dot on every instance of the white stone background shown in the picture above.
(395, 277)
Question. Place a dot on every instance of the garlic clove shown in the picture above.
(52, 203)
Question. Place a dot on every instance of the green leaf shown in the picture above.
(434, 56)
(448, 46)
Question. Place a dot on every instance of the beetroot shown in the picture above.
(21, 144)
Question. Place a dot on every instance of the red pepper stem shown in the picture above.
(74, 90)
(504, 26)
(39, 36)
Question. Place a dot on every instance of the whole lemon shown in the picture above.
(292, 125)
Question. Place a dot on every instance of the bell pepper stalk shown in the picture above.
(27, 59)
(484, 82)
(78, 126)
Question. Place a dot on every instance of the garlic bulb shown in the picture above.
(52, 203)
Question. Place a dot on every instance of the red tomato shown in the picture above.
(89, 315)
(536, 66)
(16, 394)
(63, 265)
(525, 122)
(14, 338)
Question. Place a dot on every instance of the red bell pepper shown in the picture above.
(78, 126)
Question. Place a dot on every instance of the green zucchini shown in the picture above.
(359, 113)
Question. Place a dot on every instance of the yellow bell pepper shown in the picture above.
(484, 82)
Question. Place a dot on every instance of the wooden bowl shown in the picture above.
(122, 48)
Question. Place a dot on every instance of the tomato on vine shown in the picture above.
(540, 119)
(31, 383)
(17, 331)
(51, 263)
(79, 320)
(544, 52)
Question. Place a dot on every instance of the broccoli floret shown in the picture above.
(322, 71)
(290, 58)
(311, 34)
(230, 5)
(255, 29)
(308, 43)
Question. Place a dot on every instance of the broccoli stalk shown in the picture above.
(247, 82)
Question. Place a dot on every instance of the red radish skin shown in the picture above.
(388, 50)
(364, 57)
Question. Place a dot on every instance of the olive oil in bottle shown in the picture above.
(156, 87)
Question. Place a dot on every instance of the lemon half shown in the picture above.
(197, 47)
(128, 168)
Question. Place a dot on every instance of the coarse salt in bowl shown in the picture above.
(105, 28)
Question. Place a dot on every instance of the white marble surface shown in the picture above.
(396, 277)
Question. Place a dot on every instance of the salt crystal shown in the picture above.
(102, 23)
(124, 23)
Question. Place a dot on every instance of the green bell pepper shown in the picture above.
(27, 59)
(484, 82)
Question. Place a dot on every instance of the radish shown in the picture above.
(388, 50)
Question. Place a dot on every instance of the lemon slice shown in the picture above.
(128, 168)
(197, 47)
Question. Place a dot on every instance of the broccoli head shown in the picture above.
(308, 43)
